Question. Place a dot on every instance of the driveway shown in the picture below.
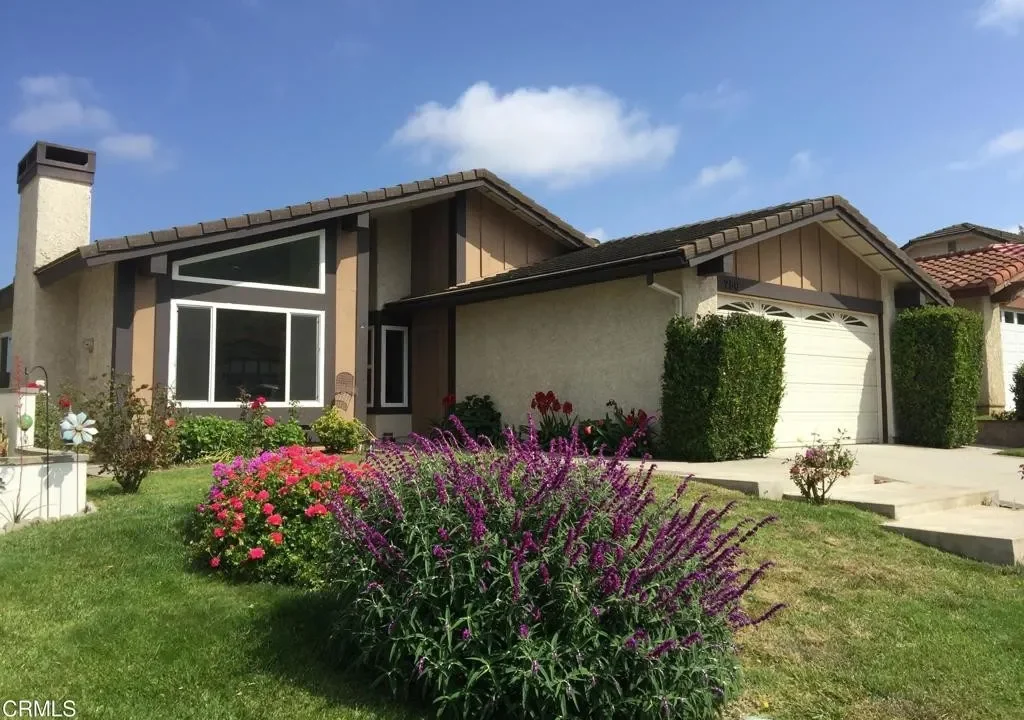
(969, 467)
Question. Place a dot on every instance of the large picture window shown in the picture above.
(294, 263)
(220, 350)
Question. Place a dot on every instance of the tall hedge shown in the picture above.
(936, 375)
(721, 388)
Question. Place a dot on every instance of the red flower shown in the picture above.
(215, 561)
(268, 509)
(218, 532)
(276, 538)
(316, 510)
(629, 421)
(315, 486)
(222, 515)
(588, 430)
(256, 553)
(567, 408)
(268, 421)
(170, 422)
(557, 407)
(448, 400)
(64, 402)
(262, 496)
(274, 520)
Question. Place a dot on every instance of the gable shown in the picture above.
(498, 241)
(808, 257)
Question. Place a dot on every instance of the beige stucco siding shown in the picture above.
(810, 258)
(497, 240)
(394, 257)
(588, 344)
(96, 326)
(400, 426)
(992, 395)
(941, 246)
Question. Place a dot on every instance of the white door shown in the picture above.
(1012, 333)
(832, 371)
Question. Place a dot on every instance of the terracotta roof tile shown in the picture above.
(991, 267)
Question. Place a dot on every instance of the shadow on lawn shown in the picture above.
(300, 650)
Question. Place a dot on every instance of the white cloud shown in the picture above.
(722, 98)
(562, 135)
(1005, 14)
(58, 102)
(597, 233)
(1002, 146)
(802, 163)
(130, 146)
(732, 169)
(63, 103)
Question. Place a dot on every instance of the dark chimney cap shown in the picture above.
(46, 159)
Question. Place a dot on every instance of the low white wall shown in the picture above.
(33, 490)
(12, 406)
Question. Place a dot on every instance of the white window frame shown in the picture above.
(172, 362)
(384, 329)
(177, 265)
(370, 364)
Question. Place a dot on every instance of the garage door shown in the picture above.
(832, 373)
(1012, 333)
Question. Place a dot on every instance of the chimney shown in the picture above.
(55, 185)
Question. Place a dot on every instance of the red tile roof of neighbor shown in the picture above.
(991, 267)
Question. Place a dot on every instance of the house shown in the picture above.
(983, 270)
(382, 302)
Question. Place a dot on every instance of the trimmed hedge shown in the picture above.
(936, 372)
(1018, 391)
(722, 386)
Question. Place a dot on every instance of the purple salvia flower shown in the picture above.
(545, 576)
(466, 634)
(524, 631)
(661, 649)
(442, 533)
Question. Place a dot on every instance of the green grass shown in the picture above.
(103, 610)
(1012, 452)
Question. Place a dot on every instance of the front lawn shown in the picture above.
(1012, 452)
(102, 610)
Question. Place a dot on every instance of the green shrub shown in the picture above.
(209, 437)
(49, 413)
(1018, 392)
(339, 434)
(284, 434)
(607, 434)
(936, 375)
(477, 414)
(721, 387)
(525, 584)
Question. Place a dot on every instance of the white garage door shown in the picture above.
(1012, 333)
(832, 375)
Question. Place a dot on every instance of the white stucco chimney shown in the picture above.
(55, 185)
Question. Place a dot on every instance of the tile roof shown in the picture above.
(991, 267)
(961, 228)
(351, 203)
(688, 242)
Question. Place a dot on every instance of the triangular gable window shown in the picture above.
(294, 263)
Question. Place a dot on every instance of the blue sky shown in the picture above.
(620, 118)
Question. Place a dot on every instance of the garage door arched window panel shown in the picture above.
(755, 308)
(296, 264)
(838, 317)
(218, 350)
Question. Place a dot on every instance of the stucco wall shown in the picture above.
(345, 314)
(992, 397)
(589, 344)
(95, 325)
(400, 426)
(940, 246)
(144, 331)
(394, 257)
(55, 332)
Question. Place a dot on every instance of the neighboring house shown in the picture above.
(955, 238)
(990, 280)
(384, 301)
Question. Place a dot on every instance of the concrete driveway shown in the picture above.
(970, 467)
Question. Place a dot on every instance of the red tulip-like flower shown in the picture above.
(567, 408)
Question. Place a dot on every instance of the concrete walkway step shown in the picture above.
(987, 533)
(899, 500)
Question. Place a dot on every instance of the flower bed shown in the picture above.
(535, 584)
(268, 519)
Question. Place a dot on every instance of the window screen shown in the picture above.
(192, 381)
(304, 349)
